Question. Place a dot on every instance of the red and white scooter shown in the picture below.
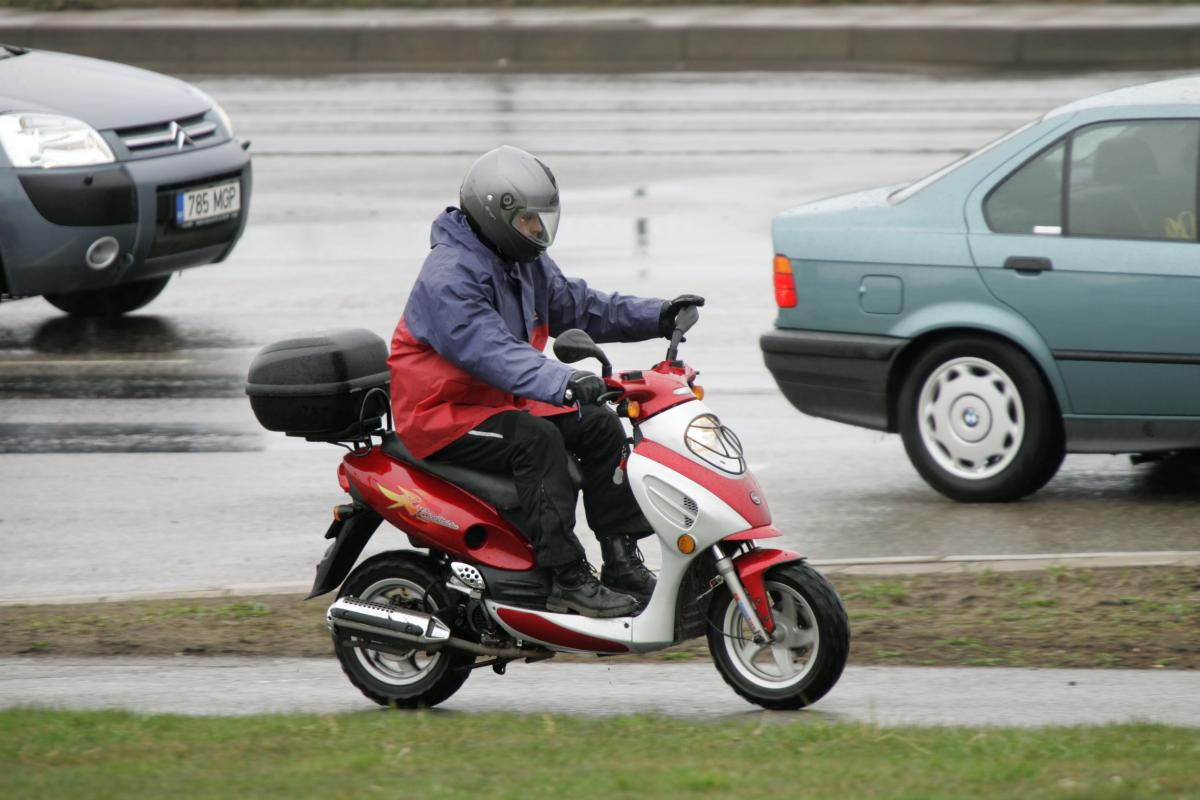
(410, 625)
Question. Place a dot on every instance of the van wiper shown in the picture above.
(8, 51)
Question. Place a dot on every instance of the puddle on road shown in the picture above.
(126, 438)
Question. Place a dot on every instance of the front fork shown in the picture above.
(729, 574)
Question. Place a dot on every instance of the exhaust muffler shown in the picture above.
(351, 615)
(399, 630)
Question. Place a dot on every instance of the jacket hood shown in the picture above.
(452, 229)
(103, 94)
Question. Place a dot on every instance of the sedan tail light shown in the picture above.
(785, 283)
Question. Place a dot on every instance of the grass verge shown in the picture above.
(1135, 618)
(50, 754)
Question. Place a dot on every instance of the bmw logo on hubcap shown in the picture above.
(970, 418)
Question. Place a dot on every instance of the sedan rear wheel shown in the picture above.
(978, 422)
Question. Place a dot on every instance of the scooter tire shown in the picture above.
(380, 676)
(820, 612)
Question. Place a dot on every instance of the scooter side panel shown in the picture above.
(436, 513)
(654, 628)
(565, 632)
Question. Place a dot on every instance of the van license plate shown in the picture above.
(208, 204)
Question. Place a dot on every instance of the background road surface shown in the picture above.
(130, 461)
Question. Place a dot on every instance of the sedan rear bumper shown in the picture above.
(838, 376)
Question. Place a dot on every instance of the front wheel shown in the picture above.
(403, 679)
(978, 422)
(110, 302)
(812, 640)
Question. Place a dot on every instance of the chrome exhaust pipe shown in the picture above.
(399, 630)
(350, 615)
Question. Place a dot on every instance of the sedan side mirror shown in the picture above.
(575, 345)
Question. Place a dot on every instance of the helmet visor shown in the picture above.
(537, 225)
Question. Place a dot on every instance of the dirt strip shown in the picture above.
(1145, 617)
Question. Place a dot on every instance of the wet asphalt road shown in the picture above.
(129, 459)
(885, 696)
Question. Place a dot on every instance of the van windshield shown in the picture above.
(900, 195)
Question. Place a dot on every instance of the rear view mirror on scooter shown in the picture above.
(687, 317)
(684, 320)
(575, 345)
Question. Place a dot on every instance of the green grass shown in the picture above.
(437, 754)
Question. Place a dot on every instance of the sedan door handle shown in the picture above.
(1028, 264)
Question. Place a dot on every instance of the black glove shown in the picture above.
(584, 387)
(671, 308)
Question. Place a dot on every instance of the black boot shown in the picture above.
(624, 570)
(576, 589)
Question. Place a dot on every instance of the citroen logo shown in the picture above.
(179, 135)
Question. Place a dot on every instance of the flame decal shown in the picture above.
(409, 501)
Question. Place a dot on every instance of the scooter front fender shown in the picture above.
(751, 568)
(352, 536)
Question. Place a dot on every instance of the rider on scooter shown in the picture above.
(470, 383)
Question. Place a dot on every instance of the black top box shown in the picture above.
(314, 385)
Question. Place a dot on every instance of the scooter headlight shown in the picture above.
(715, 444)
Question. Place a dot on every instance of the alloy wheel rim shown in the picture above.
(971, 418)
(390, 668)
(791, 657)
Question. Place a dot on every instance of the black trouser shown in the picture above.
(534, 451)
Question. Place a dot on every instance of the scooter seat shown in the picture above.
(496, 488)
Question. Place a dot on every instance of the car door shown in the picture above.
(1093, 240)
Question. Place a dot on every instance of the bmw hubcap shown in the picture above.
(971, 418)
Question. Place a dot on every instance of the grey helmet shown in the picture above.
(512, 200)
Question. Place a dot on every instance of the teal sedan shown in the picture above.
(1040, 296)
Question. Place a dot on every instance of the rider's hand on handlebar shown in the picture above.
(585, 388)
(671, 308)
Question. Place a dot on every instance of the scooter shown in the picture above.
(409, 626)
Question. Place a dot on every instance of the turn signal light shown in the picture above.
(686, 544)
(785, 283)
(633, 409)
(698, 391)
(343, 513)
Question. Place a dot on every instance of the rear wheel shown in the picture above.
(978, 422)
(405, 679)
(812, 640)
(111, 302)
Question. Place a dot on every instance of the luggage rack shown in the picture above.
(357, 438)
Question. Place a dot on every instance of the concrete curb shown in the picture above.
(618, 40)
(898, 565)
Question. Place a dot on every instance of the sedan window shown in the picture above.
(1128, 180)
(1134, 180)
(1029, 200)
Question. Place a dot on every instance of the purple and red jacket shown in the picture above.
(469, 345)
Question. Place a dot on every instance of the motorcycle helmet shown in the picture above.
(511, 199)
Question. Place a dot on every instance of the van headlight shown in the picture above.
(34, 139)
(215, 107)
(715, 444)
